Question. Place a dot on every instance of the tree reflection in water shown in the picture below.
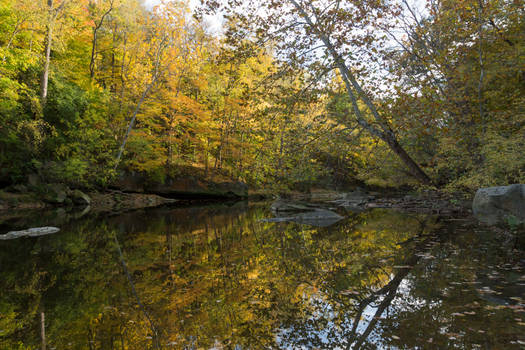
(218, 278)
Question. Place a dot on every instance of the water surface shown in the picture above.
(217, 277)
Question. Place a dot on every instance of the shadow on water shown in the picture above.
(217, 277)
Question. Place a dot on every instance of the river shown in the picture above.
(217, 277)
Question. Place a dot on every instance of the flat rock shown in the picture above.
(32, 232)
(318, 218)
(291, 206)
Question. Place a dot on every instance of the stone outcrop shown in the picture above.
(185, 187)
(499, 204)
(119, 201)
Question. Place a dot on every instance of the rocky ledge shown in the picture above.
(59, 195)
(187, 187)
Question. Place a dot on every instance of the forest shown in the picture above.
(286, 95)
(312, 164)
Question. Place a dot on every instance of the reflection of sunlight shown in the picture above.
(337, 326)
(406, 300)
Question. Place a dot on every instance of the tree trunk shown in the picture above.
(43, 329)
(169, 160)
(113, 63)
(241, 154)
(49, 42)
(12, 37)
(94, 41)
(206, 156)
(132, 123)
(409, 162)
(384, 133)
(93, 53)
(481, 63)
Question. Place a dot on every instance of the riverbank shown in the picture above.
(60, 196)
(128, 192)
(97, 201)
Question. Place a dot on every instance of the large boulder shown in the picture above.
(80, 198)
(498, 204)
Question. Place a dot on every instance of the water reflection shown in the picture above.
(217, 277)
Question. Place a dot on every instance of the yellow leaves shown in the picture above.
(252, 275)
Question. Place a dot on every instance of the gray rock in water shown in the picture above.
(497, 204)
(80, 198)
(318, 218)
(289, 206)
(32, 232)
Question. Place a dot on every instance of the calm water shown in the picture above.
(217, 277)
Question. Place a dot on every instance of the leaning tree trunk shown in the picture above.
(132, 123)
(409, 162)
(384, 132)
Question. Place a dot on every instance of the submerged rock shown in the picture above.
(80, 198)
(497, 204)
(291, 206)
(32, 232)
(317, 217)
(356, 201)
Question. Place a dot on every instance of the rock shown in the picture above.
(375, 205)
(56, 193)
(354, 205)
(181, 187)
(496, 204)
(317, 217)
(281, 205)
(80, 198)
(20, 188)
(325, 196)
(119, 201)
(32, 232)
(354, 201)
(33, 180)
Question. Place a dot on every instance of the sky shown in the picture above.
(214, 22)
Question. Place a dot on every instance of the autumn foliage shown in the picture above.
(153, 90)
